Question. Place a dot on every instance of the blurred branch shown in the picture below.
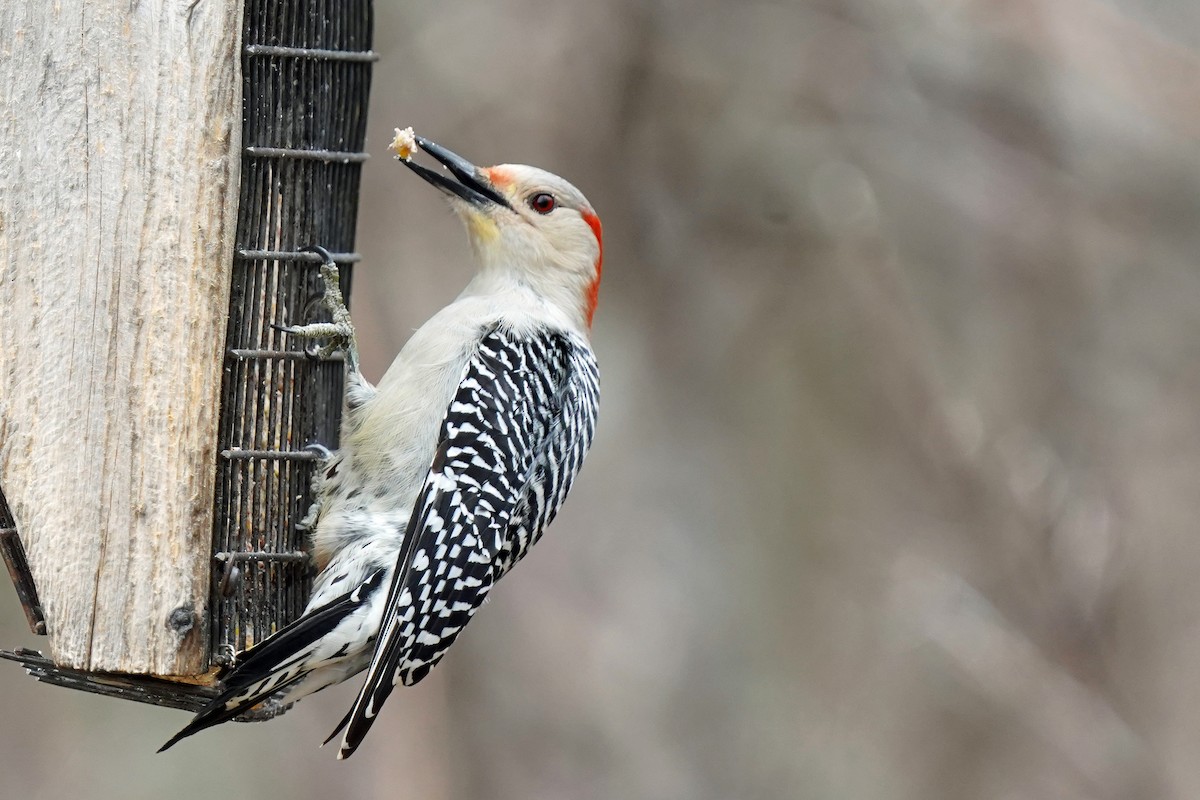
(1027, 508)
(1090, 37)
(1003, 666)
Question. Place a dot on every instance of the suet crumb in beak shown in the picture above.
(403, 144)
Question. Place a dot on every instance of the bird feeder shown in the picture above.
(169, 164)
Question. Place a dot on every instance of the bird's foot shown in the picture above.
(337, 335)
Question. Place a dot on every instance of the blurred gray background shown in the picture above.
(895, 489)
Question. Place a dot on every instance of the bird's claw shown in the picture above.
(320, 450)
(338, 334)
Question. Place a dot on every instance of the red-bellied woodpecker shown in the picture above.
(451, 468)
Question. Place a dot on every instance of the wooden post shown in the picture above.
(120, 131)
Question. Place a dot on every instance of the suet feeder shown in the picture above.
(154, 426)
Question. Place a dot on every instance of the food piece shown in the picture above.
(403, 144)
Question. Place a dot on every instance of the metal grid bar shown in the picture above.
(332, 156)
(270, 455)
(294, 355)
(225, 558)
(293, 255)
(310, 52)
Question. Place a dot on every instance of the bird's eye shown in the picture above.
(542, 202)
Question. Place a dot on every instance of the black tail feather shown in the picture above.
(339, 727)
(277, 651)
(215, 712)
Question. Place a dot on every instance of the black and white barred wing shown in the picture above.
(512, 440)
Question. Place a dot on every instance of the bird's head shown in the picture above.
(526, 221)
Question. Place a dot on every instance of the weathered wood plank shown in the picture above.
(120, 129)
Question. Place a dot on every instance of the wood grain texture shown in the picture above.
(119, 155)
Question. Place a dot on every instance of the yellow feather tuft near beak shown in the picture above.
(480, 226)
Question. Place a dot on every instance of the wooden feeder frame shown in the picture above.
(306, 71)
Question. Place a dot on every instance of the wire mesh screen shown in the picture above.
(307, 70)
(306, 77)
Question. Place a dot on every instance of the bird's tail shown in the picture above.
(224, 708)
(279, 661)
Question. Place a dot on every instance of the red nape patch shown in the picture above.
(593, 292)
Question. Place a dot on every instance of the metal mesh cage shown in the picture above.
(307, 71)
(306, 77)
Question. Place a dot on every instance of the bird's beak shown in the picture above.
(472, 185)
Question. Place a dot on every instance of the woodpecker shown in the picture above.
(451, 468)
